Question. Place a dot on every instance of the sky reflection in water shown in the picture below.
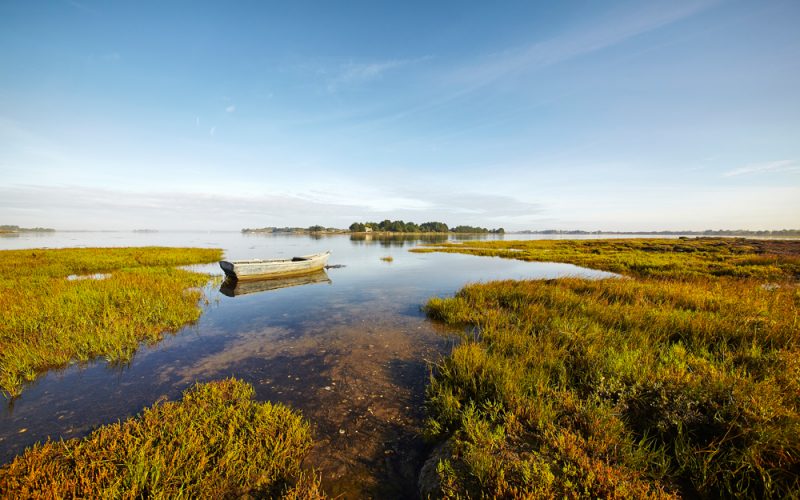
(350, 350)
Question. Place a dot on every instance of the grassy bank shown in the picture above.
(684, 381)
(48, 321)
(215, 443)
(650, 258)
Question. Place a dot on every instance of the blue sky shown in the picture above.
(527, 115)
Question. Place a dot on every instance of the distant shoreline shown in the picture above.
(18, 230)
(709, 232)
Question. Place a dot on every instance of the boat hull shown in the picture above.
(235, 288)
(261, 269)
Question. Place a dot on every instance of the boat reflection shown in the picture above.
(234, 288)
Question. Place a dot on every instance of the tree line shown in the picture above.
(399, 226)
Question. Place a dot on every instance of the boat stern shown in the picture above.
(227, 268)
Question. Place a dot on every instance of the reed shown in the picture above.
(48, 321)
(214, 443)
(683, 381)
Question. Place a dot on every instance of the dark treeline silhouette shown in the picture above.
(398, 226)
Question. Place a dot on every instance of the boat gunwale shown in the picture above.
(305, 258)
(304, 265)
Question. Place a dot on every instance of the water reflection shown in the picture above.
(232, 287)
(353, 356)
(397, 240)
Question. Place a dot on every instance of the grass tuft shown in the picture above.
(215, 443)
(48, 321)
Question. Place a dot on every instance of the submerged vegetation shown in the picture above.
(215, 443)
(682, 381)
(47, 320)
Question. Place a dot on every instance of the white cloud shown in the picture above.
(231, 108)
(764, 168)
(353, 73)
(212, 131)
(80, 207)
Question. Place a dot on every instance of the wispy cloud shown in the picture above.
(60, 206)
(353, 73)
(765, 168)
(230, 109)
(616, 28)
(459, 82)
(80, 6)
(16, 138)
(212, 131)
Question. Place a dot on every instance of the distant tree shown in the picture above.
(357, 227)
(469, 229)
(316, 229)
(433, 227)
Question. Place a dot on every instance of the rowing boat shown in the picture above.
(255, 269)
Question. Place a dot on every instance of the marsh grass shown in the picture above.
(388, 258)
(682, 382)
(650, 258)
(214, 443)
(48, 321)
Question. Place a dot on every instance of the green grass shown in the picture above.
(650, 258)
(47, 321)
(684, 381)
(215, 443)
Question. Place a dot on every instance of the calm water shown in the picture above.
(350, 350)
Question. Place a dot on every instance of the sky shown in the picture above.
(649, 115)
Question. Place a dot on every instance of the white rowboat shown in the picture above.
(256, 269)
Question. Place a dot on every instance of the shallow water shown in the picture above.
(351, 351)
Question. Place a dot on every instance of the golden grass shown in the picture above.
(215, 443)
(650, 258)
(47, 321)
(684, 381)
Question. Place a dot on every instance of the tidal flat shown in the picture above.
(350, 351)
(538, 369)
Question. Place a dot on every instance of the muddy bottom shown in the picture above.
(361, 386)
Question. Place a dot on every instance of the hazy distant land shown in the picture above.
(16, 229)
